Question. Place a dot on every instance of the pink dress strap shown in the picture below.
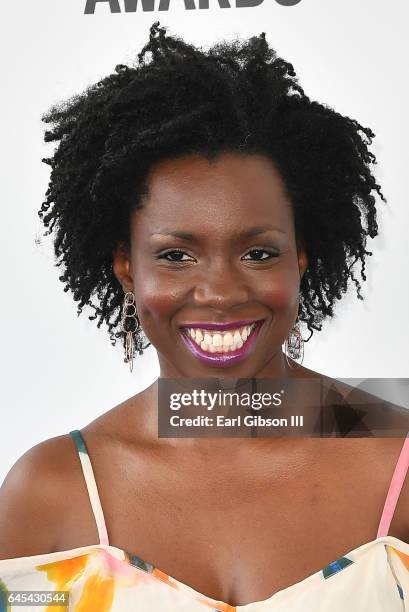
(395, 488)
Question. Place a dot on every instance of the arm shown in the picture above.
(31, 501)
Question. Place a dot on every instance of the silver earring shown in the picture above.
(131, 327)
(294, 345)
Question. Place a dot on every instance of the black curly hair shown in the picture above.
(178, 99)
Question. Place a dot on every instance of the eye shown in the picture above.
(179, 254)
(259, 252)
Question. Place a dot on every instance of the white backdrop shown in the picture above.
(58, 371)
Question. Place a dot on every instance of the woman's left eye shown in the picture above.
(260, 251)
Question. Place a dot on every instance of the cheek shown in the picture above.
(155, 299)
(281, 293)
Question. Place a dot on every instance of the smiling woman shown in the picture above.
(238, 136)
(201, 202)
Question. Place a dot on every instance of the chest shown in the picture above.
(233, 534)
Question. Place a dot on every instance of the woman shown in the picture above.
(202, 194)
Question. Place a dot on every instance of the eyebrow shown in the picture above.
(247, 233)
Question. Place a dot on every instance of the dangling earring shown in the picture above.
(294, 345)
(130, 325)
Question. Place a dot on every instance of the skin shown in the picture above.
(214, 282)
(235, 519)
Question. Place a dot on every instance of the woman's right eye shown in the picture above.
(176, 252)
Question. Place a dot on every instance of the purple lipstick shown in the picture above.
(219, 357)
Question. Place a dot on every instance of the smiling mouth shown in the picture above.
(219, 348)
(228, 341)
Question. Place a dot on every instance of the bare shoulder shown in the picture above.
(33, 497)
(44, 501)
(378, 451)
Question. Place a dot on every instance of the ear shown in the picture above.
(302, 256)
(121, 265)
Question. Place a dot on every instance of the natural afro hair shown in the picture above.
(178, 99)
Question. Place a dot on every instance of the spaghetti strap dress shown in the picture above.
(103, 578)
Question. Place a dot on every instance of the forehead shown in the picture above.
(230, 190)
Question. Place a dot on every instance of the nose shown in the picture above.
(221, 286)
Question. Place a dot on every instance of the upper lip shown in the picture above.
(222, 326)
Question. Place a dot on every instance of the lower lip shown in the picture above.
(223, 359)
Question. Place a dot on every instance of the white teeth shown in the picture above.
(237, 337)
(221, 342)
(227, 339)
(207, 338)
(217, 340)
